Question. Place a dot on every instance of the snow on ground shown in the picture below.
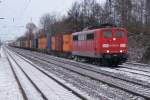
(51, 89)
(128, 74)
(135, 71)
(120, 72)
(31, 92)
(8, 86)
(60, 79)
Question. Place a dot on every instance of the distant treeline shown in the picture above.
(131, 14)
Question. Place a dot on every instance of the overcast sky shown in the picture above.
(23, 10)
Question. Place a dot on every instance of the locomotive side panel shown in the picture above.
(84, 44)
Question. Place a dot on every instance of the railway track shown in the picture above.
(137, 66)
(125, 68)
(12, 60)
(134, 71)
(18, 82)
(89, 87)
(94, 68)
(128, 65)
(44, 97)
(136, 88)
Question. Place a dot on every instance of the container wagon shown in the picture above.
(34, 43)
(49, 44)
(42, 43)
(67, 45)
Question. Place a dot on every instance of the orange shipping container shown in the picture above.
(53, 40)
(42, 43)
(67, 43)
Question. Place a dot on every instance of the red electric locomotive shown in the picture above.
(107, 45)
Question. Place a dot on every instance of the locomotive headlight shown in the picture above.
(122, 45)
(105, 45)
(114, 39)
(107, 51)
(121, 51)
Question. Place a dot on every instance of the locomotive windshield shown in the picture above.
(119, 34)
(107, 34)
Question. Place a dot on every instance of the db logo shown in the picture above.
(114, 45)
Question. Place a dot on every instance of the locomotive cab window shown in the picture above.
(107, 34)
(90, 36)
(119, 34)
(75, 37)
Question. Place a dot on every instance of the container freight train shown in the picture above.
(102, 45)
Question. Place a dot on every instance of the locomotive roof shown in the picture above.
(94, 30)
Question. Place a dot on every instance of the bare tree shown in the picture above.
(47, 21)
(75, 17)
(30, 30)
(86, 14)
(147, 15)
(147, 10)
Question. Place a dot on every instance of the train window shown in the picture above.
(119, 34)
(81, 37)
(84, 37)
(107, 34)
(90, 36)
(75, 37)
